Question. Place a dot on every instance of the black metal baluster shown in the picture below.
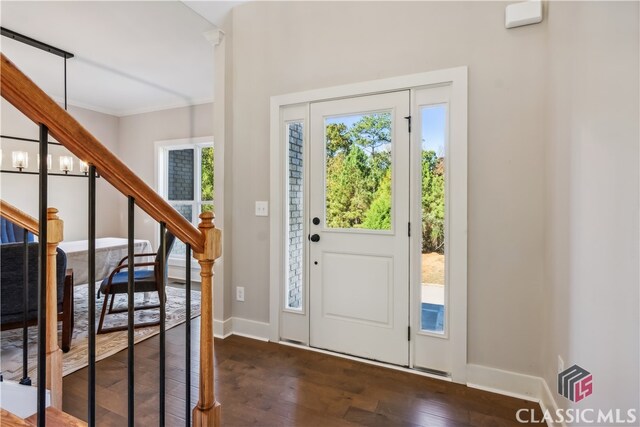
(91, 392)
(25, 308)
(162, 295)
(42, 278)
(65, 82)
(187, 337)
(130, 315)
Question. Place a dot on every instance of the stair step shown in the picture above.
(56, 418)
(10, 420)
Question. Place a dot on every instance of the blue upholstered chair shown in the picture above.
(12, 233)
(144, 281)
(12, 283)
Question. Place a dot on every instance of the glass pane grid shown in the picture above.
(179, 248)
(180, 164)
(190, 184)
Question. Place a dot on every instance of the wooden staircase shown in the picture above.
(205, 240)
(54, 418)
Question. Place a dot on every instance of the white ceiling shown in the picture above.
(130, 57)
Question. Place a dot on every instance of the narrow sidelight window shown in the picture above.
(295, 226)
(433, 262)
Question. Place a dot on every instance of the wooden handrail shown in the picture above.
(16, 216)
(27, 97)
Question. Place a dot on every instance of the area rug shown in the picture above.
(106, 344)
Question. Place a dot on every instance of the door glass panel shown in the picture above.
(358, 171)
(295, 187)
(180, 175)
(433, 137)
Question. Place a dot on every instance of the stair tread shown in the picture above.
(56, 418)
(10, 420)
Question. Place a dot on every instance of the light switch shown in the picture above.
(262, 208)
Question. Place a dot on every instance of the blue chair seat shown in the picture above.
(145, 281)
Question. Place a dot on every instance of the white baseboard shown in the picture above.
(241, 327)
(250, 329)
(504, 382)
(513, 384)
(222, 328)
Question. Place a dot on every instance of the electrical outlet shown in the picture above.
(240, 293)
(560, 364)
(262, 208)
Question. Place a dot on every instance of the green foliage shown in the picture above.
(378, 217)
(207, 174)
(357, 159)
(359, 180)
(432, 202)
(348, 196)
(337, 139)
(372, 132)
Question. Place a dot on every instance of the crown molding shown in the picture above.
(214, 36)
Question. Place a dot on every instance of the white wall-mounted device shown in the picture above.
(524, 13)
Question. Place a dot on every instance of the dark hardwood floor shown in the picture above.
(267, 384)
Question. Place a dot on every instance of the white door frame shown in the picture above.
(457, 78)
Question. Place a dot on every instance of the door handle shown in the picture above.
(314, 238)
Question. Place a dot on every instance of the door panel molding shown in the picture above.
(358, 300)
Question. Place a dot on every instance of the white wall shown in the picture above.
(137, 135)
(287, 47)
(68, 195)
(592, 283)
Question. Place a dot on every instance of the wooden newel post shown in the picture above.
(207, 411)
(54, 354)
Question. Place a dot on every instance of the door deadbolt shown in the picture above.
(316, 221)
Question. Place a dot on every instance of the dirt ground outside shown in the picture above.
(433, 268)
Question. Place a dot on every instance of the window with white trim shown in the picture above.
(186, 181)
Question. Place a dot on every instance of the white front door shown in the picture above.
(358, 226)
